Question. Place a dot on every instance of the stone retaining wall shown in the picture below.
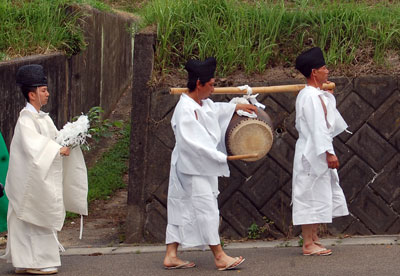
(95, 77)
(260, 192)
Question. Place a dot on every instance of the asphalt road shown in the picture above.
(365, 260)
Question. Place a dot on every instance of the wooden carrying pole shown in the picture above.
(262, 89)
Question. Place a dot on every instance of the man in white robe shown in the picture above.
(198, 158)
(37, 184)
(316, 194)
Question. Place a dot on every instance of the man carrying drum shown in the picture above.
(198, 158)
(317, 196)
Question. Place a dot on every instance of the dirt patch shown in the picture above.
(104, 226)
(177, 77)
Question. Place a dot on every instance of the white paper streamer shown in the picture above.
(81, 228)
(250, 97)
(60, 247)
(247, 99)
(75, 133)
(242, 100)
(247, 114)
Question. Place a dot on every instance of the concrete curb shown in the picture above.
(138, 249)
(126, 249)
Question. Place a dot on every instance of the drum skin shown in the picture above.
(246, 135)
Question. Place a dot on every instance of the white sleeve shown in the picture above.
(225, 112)
(197, 154)
(316, 123)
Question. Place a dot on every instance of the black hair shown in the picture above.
(191, 84)
(26, 89)
(307, 73)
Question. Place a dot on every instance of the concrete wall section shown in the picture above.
(96, 76)
(85, 68)
(141, 97)
(12, 100)
(117, 66)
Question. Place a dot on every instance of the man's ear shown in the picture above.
(31, 95)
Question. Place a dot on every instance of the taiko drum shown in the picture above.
(250, 135)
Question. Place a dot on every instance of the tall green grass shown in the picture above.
(254, 35)
(40, 26)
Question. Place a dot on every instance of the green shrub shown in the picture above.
(254, 231)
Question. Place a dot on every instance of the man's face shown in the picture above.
(207, 89)
(321, 74)
(42, 95)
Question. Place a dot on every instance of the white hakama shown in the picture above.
(317, 199)
(200, 214)
(30, 246)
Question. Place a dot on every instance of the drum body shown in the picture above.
(250, 135)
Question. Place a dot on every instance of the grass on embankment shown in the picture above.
(243, 35)
(106, 175)
(40, 26)
(255, 35)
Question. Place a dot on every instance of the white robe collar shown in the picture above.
(32, 109)
(191, 101)
(205, 115)
(330, 104)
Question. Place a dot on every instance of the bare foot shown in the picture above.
(175, 261)
(312, 248)
(316, 241)
(225, 260)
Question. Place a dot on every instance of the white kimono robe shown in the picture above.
(316, 194)
(38, 195)
(198, 158)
